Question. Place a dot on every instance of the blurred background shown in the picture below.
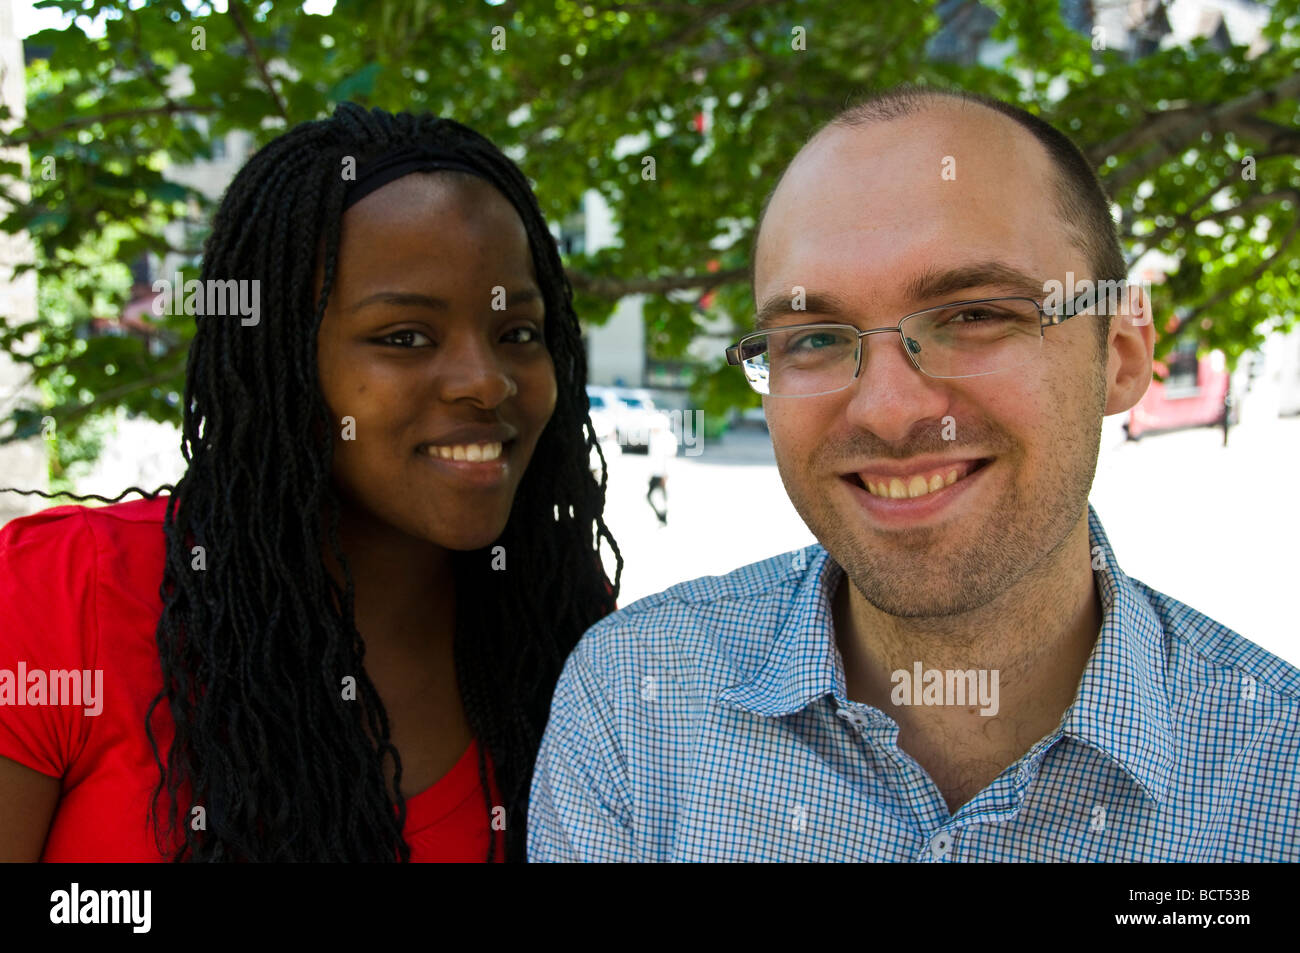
(652, 132)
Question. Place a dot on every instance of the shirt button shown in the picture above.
(940, 845)
(852, 717)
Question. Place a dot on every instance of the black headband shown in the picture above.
(383, 169)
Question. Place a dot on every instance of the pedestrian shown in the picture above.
(661, 447)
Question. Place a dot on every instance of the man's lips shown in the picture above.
(908, 479)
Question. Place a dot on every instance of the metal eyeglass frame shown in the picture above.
(1047, 318)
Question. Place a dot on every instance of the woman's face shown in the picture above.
(433, 345)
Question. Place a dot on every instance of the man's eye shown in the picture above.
(524, 334)
(407, 339)
(977, 315)
(814, 341)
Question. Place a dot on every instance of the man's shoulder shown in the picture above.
(736, 614)
(1215, 646)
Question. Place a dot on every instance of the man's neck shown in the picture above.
(1032, 643)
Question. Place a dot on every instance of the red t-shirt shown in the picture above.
(79, 591)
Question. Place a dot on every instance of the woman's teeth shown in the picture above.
(909, 487)
(469, 452)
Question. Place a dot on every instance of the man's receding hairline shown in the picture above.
(909, 102)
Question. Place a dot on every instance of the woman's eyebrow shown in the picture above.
(412, 299)
(406, 298)
(523, 296)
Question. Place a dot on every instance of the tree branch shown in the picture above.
(37, 135)
(1248, 280)
(1172, 136)
(150, 68)
(609, 74)
(233, 6)
(1188, 220)
(600, 286)
(1275, 136)
(109, 396)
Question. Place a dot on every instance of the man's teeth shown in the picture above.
(902, 489)
(469, 452)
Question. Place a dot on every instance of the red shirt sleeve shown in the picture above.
(47, 623)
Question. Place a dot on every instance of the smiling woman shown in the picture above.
(337, 638)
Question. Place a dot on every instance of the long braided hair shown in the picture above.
(254, 648)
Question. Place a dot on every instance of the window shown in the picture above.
(1183, 370)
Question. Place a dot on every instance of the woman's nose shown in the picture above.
(471, 370)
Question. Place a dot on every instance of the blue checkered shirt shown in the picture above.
(710, 723)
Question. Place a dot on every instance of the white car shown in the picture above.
(605, 410)
(638, 418)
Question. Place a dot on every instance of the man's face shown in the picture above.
(862, 216)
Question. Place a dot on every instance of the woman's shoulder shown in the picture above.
(58, 523)
(79, 603)
(57, 563)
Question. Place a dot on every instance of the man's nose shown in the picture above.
(471, 369)
(890, 395)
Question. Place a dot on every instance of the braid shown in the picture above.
(86, 497)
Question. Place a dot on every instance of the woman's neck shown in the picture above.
(405, 589)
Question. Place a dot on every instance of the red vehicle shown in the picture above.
(1195, 392)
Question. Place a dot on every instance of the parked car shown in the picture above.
(605, 409)
(637, 418)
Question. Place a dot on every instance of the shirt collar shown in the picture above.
(1121, 707)
(803, 663)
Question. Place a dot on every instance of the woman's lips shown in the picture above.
(469, 452)
(477, 465)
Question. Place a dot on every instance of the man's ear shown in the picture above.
(1129, 351)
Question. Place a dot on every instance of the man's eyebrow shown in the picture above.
(411, 299)
(936, 283)
(815, 303)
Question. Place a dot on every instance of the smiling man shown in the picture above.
(960, 670)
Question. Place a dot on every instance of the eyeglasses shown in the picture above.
(960, 339)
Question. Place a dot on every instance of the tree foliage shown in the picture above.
(1198, 144)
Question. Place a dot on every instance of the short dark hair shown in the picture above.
(1080, 199)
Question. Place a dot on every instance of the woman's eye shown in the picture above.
(407, 339)
(524, 334)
